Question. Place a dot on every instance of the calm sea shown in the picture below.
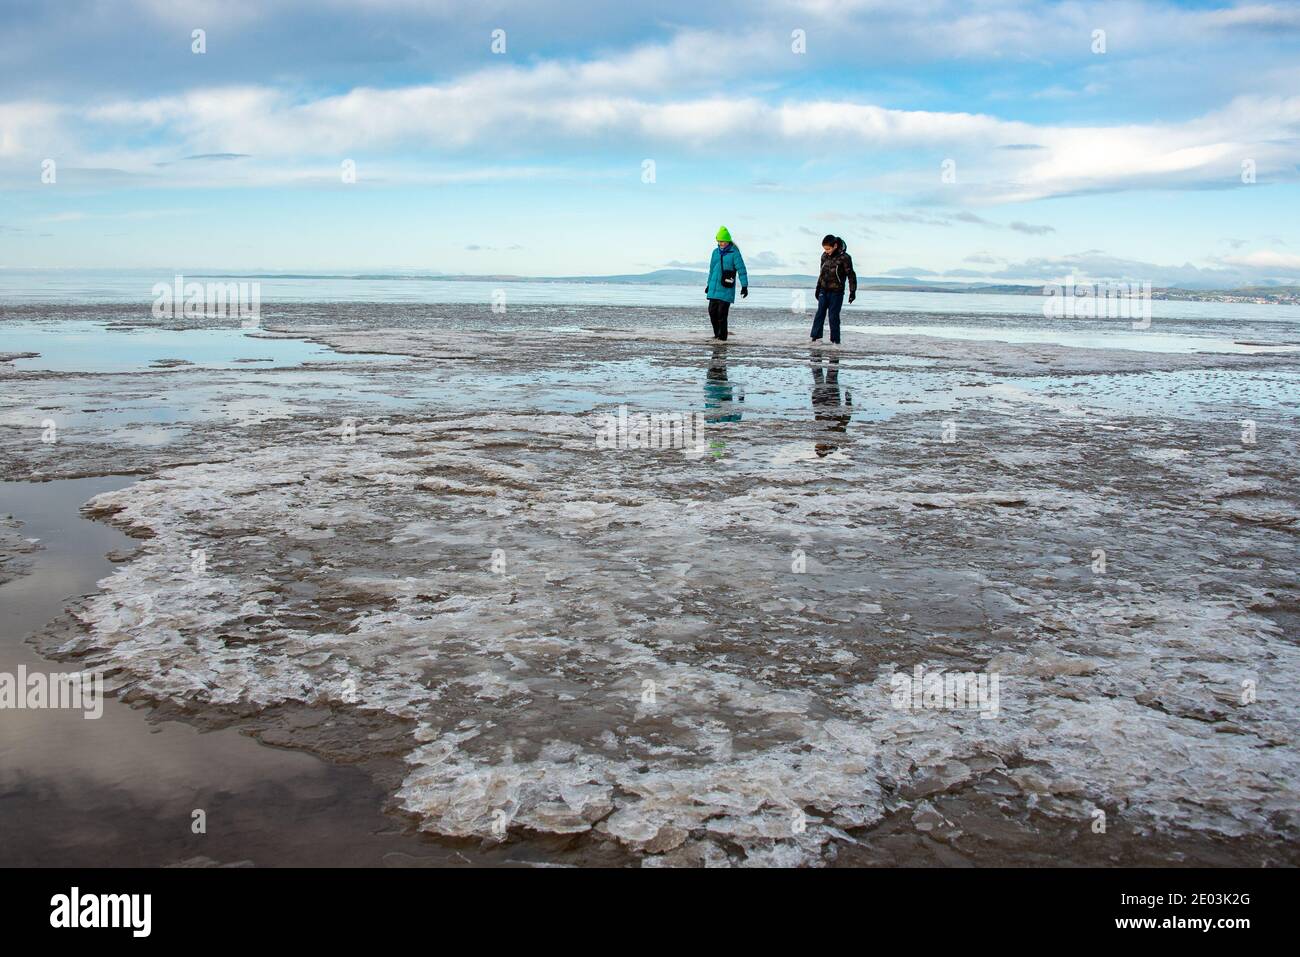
(77, 286)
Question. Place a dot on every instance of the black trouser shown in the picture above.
(718, 309)
(828, 303)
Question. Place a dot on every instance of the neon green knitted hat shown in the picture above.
(723, 235)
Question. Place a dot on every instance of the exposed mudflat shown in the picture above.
(419, 560)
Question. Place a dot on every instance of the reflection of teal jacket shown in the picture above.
(721, 394)
(716, 289)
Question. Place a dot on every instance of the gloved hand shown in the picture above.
(817, 293)
(744, 291)
(852, 296)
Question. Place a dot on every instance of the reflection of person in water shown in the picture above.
(829, 405)
(720, 394)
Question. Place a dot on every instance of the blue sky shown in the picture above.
(1117, 164)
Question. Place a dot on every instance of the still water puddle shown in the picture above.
(1170, 393)
(84, 346)
(119, 790)
(152, 409)
(1121, 337)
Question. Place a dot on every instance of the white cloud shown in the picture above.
(31, 130)
(1094, 265)
(531, 107)
(1270, 15)
(1267, 259)
(646, 98)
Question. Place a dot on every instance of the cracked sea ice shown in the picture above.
(359, 576)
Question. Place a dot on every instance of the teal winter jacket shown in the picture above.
(716, 290)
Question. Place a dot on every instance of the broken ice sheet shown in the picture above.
(769, 695)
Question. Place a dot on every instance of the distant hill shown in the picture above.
(686, 277)
(696, 277)
(658, 277)
(692, 277)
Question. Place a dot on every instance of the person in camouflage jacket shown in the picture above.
(835, 275)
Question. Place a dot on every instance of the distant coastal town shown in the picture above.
(1263, 295)
(1288, 295)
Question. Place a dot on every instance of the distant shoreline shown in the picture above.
(1266, 295)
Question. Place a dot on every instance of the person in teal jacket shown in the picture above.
(726, 272)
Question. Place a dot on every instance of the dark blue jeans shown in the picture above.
(828, 303)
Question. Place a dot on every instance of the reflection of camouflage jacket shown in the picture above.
(836, 270)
